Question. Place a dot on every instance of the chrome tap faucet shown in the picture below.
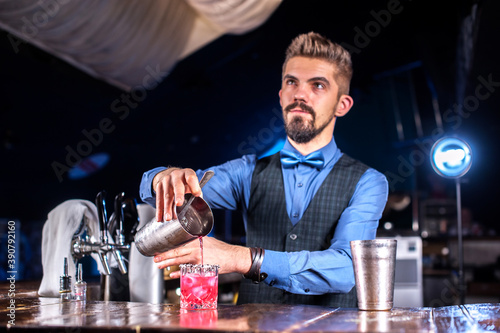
(102, 247)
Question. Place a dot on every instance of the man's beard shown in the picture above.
(300, 130)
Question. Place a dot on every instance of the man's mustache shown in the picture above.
(301, 105)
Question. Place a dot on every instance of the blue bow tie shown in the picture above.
(315, 160)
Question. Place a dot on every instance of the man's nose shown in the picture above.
(300, 95)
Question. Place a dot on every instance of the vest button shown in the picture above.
(300, 184)
(293, 236)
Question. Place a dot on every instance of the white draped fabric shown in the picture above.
(123, 41)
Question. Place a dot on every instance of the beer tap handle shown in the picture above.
(119, 216)
(130, 219)
(100, 202)
(104, 261)
(121, 262)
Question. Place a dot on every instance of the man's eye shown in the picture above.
(290, 82)
(320, 85)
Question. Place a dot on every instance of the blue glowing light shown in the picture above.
(89, 166)
(451, 157)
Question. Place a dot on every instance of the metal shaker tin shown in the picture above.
(157, 237)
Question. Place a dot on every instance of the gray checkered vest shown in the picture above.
(269, 226)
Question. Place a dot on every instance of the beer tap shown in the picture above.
(119, 237)
(118, 218)
(88, 246)
(100, 202)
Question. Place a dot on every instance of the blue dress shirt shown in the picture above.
(318, 272)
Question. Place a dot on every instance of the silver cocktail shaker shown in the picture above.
(157, 237)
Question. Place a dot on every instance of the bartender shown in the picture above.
(301, 206)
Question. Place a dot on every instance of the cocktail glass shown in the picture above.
(199, 286)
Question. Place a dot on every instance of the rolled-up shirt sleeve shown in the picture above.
(330, 270)
(229, 188)
(146, 189)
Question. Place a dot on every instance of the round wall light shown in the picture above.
(451, 157)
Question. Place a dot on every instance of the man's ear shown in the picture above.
(280, 98)
(344, 105)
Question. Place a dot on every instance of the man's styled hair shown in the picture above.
(313, 45)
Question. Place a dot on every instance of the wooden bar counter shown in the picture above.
(38, 314)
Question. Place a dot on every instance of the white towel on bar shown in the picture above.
(58, 231)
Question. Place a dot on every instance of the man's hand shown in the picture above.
(170, 186)
(230, 258)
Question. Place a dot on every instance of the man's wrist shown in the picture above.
(254, 274)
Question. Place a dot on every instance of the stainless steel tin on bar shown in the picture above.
(374, 268)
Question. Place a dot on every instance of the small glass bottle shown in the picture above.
(80, 286)
(65, 282)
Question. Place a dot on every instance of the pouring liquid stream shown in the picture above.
(201, 248)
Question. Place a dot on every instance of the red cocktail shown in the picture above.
(199, 286)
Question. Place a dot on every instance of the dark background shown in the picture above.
(215, 101)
